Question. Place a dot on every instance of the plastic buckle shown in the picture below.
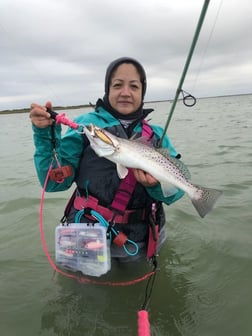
(59, 174)
(120, 239)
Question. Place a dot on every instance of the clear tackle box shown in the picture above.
(83, 247)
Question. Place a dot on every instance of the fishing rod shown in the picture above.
(189, 57)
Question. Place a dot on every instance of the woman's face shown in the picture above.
(125, 90)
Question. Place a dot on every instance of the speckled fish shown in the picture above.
(170, 172)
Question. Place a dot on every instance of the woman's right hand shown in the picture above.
(39, 116)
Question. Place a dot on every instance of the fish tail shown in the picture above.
(204, 199)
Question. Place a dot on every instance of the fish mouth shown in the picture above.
(90, 128)
(97, 132)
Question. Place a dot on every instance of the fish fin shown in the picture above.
(164, 151)
(133, 137)
(121, 171)
(178, 163)
(142, 140)
(204, 199)
(168, 189)
(181, 166)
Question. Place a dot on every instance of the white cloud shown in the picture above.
(59, 49)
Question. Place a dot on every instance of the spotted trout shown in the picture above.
(171, 173)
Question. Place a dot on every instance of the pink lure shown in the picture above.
(94, 245)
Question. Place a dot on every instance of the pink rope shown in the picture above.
(62, 119)
(42, 236)
(143, 323)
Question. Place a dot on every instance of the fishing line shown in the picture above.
(189, 57)
(207, 46)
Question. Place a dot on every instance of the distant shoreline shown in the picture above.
(56, 108)
(26, 110)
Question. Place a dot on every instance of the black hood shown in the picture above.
(113, 65)
(139, 113)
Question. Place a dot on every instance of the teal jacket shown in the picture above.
(70, 147)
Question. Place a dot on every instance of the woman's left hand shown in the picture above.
(144, 178)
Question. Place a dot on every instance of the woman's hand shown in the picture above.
(39, 116)
(144, 178)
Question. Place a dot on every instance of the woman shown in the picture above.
(98, 185)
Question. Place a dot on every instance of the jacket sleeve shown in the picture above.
(68, 149)
(156, 191)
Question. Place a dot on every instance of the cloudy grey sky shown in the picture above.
(58, 50)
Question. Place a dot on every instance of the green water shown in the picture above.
(203, 285)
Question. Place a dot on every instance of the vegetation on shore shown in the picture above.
(26, 110)
(56, 108)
